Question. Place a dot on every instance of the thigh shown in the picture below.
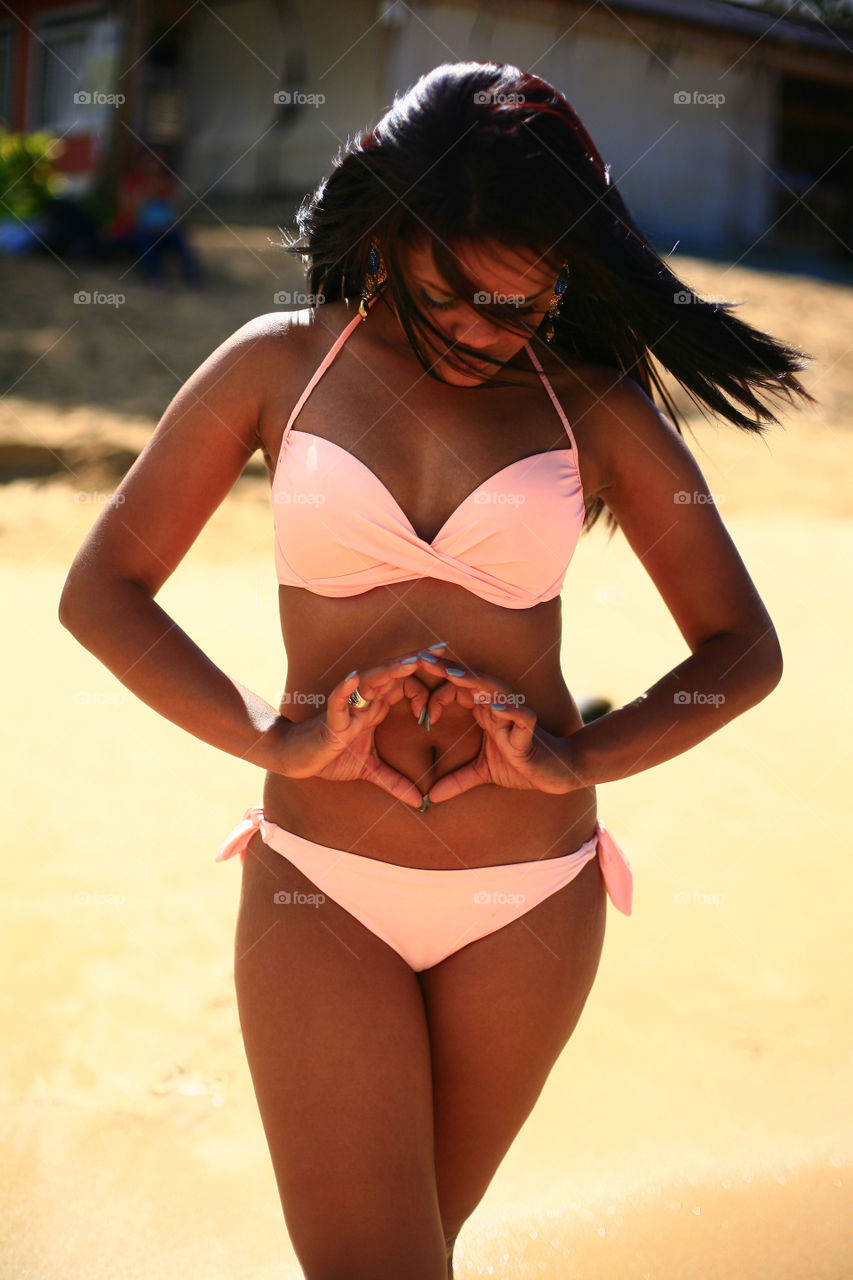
(335, 1034)
(500, 1011)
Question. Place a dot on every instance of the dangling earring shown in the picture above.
(554, 303)
(376, 276)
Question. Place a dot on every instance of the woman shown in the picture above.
(424, 886)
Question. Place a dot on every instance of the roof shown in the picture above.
(745, 19)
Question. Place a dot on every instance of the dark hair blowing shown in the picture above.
(481, 151)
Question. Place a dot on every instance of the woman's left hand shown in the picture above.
(515, 751)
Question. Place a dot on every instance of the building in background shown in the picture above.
(723, 125)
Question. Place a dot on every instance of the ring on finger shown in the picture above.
(355, 700)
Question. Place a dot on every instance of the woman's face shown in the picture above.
(515, 278)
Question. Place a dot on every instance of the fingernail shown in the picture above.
(454, 671)
(440, 645)
(498, 706)
(414, 659)
(427, 721)
(351, 674)
(421, 716)
(428, 657)
(425, 804)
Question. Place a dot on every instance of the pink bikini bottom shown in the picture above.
(426, 915)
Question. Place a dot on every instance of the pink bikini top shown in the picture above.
(340, 532)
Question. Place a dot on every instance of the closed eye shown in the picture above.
(435, 305)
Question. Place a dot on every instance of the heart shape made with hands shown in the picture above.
(508, 754)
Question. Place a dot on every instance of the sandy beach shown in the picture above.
(699, 1123)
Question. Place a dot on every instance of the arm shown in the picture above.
(206, 436)
(686, 550)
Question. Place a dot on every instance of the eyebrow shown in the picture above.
(438, 288)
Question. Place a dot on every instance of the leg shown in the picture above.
(500, 1012)
(336, 1039)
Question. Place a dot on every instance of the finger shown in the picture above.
(399, 667)
(338, 709)
(477, 682)
(417, 693)
(456, 783)
(401, 788)
(511, 727)
(439, 698)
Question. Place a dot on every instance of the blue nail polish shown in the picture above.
(427, 722)
(413, 659)
(421, 716)
(351, 674)
(454, 671)
(442, 644)
(428, 657)
(498, 706)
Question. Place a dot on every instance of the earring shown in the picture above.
(375, 278)
(555, 300)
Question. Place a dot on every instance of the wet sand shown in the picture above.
(699, 1122)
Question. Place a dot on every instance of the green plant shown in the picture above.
(28, 180)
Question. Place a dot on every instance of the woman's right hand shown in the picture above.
(339, 744)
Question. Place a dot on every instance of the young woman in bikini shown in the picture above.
(424, 886)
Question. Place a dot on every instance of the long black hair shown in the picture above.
(481, 151)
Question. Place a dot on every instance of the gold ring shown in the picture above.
(355, 700)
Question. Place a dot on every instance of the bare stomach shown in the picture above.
(482, 827)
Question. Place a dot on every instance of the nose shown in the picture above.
(475, 331)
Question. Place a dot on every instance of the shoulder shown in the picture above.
(593, 397)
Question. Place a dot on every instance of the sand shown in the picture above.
(698, 1124)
